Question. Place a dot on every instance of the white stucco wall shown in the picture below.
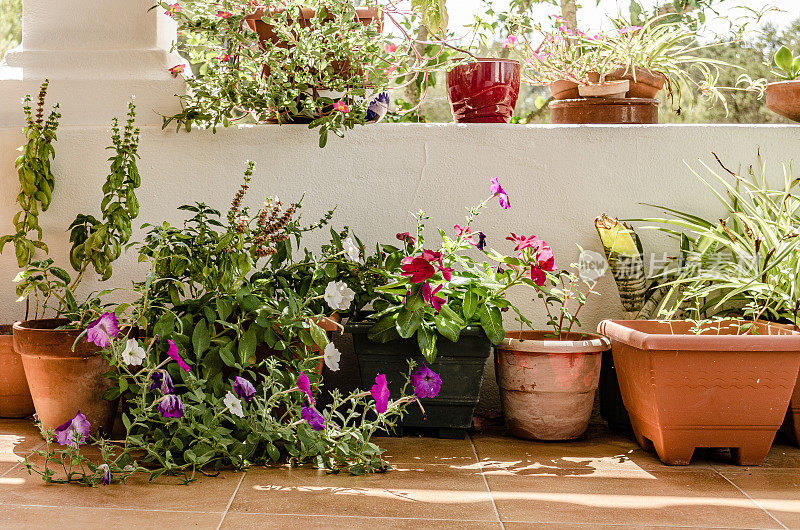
(559, 178)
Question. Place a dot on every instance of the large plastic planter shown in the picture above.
(460, 365)
(684, 390)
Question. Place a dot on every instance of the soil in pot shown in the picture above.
(484, 91)
(460, 365)
(603, 110)
(643, 83)
(63, 381)
(716, 389)
(15, 398)
(783, 98)
(547, 386)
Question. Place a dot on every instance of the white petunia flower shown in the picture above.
(133, 354)
(233, 404)
(332, 356)
(351, 249)
(338, 295)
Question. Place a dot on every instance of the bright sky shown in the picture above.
(593, 17)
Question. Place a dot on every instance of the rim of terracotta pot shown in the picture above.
(44, 325)
(539, 342)
(361, 11)
(474, 60)
(635, 333)
(783, 83)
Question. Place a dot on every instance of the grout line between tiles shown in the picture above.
(18, 464)
(230, 502)
(485, 482)
(752, 499)
(106, 508)
(359, 516)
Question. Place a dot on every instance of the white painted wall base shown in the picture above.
(559, 179)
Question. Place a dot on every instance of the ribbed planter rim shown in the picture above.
(579, 343)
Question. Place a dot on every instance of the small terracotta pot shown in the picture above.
(63, 381)
(15, 398)
(783, 98)
(603, 110)
(643, 83)
(484, 91)
(563, 89)
(684, 390)
(610, 89)
(547, 385)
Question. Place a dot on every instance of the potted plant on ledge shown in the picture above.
(783, 97)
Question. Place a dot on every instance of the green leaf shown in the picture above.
(247, 345)
(449, 324)
(784, 59)
(426, 339)
(319, 335)
(384, 329)
(470, 304)
(226, 354)
(408, 322)
(492, 323)
(200, 338)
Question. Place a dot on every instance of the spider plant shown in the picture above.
(746, 263)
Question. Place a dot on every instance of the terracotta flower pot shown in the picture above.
(547, 386)
(15, 398)
(563, 89)
(610, 89)
(603, 110)
(684, 390)
(783, 98)
(484, 91)
(643, 83)
(63, 381)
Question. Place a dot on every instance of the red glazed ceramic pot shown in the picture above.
(484, 91)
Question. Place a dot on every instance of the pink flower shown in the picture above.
(223, 58)
(405, 237)
(224, 14)
(341, 106)
(380, 393)
(430, 297)
(389, 71)
(497, 191)
(101, 331)
(432, 255)
(545, 259)
(173, 353)
(390, 47)
(176, 70)
(466, 233)
(538, 276)
(304, 385)
(447, 273)
(510, 41)
(629, 29)
(172, 9)
(419, 269)
(523, 242)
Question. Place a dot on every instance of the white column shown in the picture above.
(97, 54)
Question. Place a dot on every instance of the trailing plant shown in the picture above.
(35, 178)
(95, 243)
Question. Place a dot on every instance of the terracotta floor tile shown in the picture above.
(778, 492)
(207, 494)
(17, 439)
(426, 492)
(414, 449)
(780, 457)
(632, 497)
(251, 520)
(37, 517)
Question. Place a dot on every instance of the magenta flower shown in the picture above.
(224, 14)
(313, 418)
(304, 385)
(523, 242)
(430, 297)
(171, 407)
(497, 191)
(405, 237)
(103, 330)
(244, 388)
(419, 269)
(380, 393)
(341, 106)
(545, 259)
(466, 233)
(224, 58)
(173, 353)
(73, 432)
(538, 276)
(172, 9)
(176, 70)
(427, 383)
(447, 273)
(161, 381)
(390, 47)
(481, 241)
(510, 41)
(106, 471)
(629, 29)
(432, 255)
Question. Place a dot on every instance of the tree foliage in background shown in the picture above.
(10, 24)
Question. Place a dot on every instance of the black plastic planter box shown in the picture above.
(460, 365)
(612, 409)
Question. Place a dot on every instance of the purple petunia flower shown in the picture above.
(73, 432)
(102, 330)
(162, 381)
(106, 479)
(377, 108)
(313, 417)
(171, 407)
(427, 383)
(304, 385)
(173, 352)
(481, 241)
(244, 388)
(380, 393)
(497, 191)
